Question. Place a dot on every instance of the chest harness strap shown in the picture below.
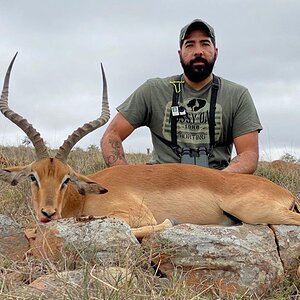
(178, 111)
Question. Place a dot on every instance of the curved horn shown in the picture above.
(33, 135)
(82, 131)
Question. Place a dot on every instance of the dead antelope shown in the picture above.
(145, 196)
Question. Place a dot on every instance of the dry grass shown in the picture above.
(144, 282)
(287, 177)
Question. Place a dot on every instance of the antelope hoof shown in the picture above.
(173, 221)
(169, 223)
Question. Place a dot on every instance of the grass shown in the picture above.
(140, 280)
(286, 178)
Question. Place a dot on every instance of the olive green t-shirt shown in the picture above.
(150, 105)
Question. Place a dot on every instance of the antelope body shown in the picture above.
(145, 196)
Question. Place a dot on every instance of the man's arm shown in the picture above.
(247, 154)
(111, 143)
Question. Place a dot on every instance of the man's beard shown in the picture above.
(199, 72)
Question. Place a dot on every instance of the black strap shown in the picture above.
(177, 83)
(177, 89)
(212, 111)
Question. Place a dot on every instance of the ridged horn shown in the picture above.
(33, 135)
(82, 131)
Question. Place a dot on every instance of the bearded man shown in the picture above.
(196, 117)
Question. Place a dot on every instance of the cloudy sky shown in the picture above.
(56, 80)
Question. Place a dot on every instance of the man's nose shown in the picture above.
(198, 51)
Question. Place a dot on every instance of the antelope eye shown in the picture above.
(66, 182)
(32, 178)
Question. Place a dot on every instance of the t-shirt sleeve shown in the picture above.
(245, 119)
(136, 108)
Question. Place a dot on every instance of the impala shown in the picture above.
(145, 196)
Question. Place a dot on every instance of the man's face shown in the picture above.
(197, 56)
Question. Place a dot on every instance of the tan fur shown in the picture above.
(145, 195)
(192, 194)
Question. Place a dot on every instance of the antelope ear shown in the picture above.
(14, 175)
(85, 185)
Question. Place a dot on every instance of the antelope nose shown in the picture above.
(48, 213)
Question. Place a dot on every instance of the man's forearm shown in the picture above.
(244, 163)
(113, 152)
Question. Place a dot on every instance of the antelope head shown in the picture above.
(51, 176)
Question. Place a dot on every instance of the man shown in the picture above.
(193, 116)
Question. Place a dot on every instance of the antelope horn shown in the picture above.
(33, 135)
(82, 131)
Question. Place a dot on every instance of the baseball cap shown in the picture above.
(197, 24)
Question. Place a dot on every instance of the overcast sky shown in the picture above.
(56, 80)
